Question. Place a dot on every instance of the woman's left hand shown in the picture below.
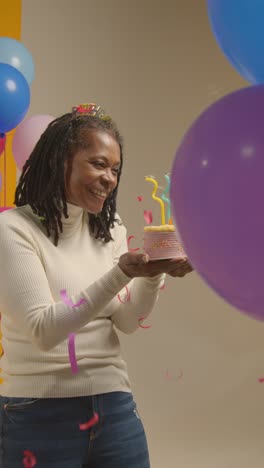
(179, 268)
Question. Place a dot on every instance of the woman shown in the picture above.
(66, 282)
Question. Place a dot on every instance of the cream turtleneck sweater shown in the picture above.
(36, 322)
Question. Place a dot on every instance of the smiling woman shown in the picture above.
(91, 174)
(88, 145)
(67, 266)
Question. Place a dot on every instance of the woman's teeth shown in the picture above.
(100, 194)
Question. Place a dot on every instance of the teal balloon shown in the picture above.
(14, 97)
(14, 53)
(239, 30)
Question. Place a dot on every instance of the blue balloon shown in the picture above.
(14, 53)
(239, 31)
(14, 97)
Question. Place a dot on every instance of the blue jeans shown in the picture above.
(49, 429)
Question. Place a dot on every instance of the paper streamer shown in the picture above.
(1, 350)
(29, 460)
(148, 216)
(128, 244)
(143, 326)
(127, 296)
(68, 301)
(94, 420)
(10, 26)
(72, 355)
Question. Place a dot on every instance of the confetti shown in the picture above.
(143, 326)
(128, 244)
(139, 198)
(127, 296)
(72, 356)
(261, 380)
(148, 216)
(162, 286)
(94, 420)
(68, 301)
(168, 377)
(30, 460)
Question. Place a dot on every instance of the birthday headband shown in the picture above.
(92, 110)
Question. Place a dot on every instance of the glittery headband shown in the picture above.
(90, 109)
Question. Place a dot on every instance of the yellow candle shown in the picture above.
(150, 179)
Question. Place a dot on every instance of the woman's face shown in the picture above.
(91, 175)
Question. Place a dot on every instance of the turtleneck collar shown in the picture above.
(77, 216)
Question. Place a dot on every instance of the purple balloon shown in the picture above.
(217, 195)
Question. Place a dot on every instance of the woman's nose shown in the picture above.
(109, 176)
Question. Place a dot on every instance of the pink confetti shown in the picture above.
(30, 460)
(163, 286)
(261, 380)
(72, 355)
(128, 244)
(148, 216)
(139, 198)
(143, 326)
(68, 301)
(168, 377)
(94, 420)
(127, 296)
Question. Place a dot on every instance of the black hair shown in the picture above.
(41, 183)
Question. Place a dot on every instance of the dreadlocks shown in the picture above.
(41, 184)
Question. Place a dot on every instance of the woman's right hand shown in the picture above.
(137, 264)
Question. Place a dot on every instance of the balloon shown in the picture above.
(14, 53)
(2, 143)
(238, 28)
(14, 97)
(217, 194)
(27, 135)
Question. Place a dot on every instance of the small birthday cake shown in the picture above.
(160, 242)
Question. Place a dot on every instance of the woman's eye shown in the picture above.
(98, 164)
(102, 165)
(115, 171)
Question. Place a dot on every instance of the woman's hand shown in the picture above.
(180, 268)
(135, 265)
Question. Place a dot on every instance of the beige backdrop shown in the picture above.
(155, 66)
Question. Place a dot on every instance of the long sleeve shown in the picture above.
(26, 298)
(139, 297)
(36, 320)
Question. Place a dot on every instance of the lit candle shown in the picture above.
(165, 198)
(150, 179)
